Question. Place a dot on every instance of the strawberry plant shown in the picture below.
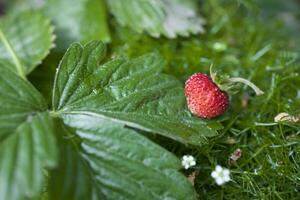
(96, 100)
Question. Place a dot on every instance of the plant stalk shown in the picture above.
(248, 83)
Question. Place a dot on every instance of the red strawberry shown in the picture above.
(204, 97)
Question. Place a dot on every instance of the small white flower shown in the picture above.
(221, 175)
(188, 161)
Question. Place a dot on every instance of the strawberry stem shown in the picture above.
(248, 83)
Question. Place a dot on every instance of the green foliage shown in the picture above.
(27, 140)
(83, 20)
(24, 155)
(30, 35)
(15, 6)
(110, 162)
(18, 101)
(166, 17)
(118, 114)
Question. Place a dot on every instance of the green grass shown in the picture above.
(255, 43)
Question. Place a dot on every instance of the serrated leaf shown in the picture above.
(158, 17)
(116, 163)
(23, 156)
(31, 37)
(81, 20)
(72, 179)
(133, 92)
(18, 100)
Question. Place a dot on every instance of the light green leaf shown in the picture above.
(81, 20)
(27, 38)
(133, 92)
(116, 163)
(18, 100)
(14, 6)
(158, 17)
(23, 156)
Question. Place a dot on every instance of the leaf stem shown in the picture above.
(247, 82)
(13, 54)
(54, 114)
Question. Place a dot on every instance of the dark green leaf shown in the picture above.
(167, 17)
(27, 145)
(83, 20)
(30, 36)
(133, 92)
(18, 100)
(116, 163)
(23, 156)
(42, 77)
(73, 180)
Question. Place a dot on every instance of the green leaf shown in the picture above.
(116, 163)
(14, 6)
(162, 17)
(83, 20)
(18, 100)
(42, 77)
(27, 145)
(26, 40)
(72, 179)
(23, 156)
(134, 93)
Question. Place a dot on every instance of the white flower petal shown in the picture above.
(226, 178)
(193, 163)
(191, 158)
(218, 168)
(226, 172)
(184, 157)
(214, 174)
(219, 181)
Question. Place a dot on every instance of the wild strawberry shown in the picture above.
(204, 98)
(207, 99)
